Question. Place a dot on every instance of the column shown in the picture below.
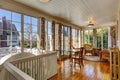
(94, 38)
(59, 39)
(70, 40)
(118, 27)
(81, 37)
(53, 35)
(112, 36)
(43, 41)
(22, 34)
(77, 38)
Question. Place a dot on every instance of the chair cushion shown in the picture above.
(88, 47)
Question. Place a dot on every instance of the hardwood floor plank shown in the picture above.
(90, 71)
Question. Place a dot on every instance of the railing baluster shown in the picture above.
(11, 72)
(32, 68)
(39, 67)
(38, 70)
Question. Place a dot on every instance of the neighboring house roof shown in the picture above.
(8, 27)
(1, 32)
(0, 25)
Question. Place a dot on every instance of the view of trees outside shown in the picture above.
(91, 36)
(65, 39)
(99, 38)
(30, 33)
(105, 38)
(56, 36)
(66, 36)
(49, 36)
(86, 40)
(88, 36)
(115, 37)
(102, 37)
(76, 38)
(62, 40)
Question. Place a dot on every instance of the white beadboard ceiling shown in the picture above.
(77, 12)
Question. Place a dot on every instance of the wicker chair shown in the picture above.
(78, 57)
(88, 49)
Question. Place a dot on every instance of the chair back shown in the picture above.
(81, 52)
(88, 47)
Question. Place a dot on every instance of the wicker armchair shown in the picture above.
(88, 49)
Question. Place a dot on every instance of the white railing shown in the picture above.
(11, 57)
(40, 67)
(13, 73)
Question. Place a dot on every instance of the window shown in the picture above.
(10, 29)
(65, 41)
(88, 36)
(75, 38)
(99, 38)
(65, 38)
(105, 38)
(49, 36)
(86, 40)
(56, 36)
(102, 38)
(30, 34)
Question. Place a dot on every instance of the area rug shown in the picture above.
(92, 58)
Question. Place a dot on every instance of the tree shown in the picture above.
(30, 39)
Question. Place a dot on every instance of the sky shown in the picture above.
(16, 19)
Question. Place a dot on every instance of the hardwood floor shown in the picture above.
(90, 71)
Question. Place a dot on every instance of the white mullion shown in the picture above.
(40, 32)
(11, 34)
(31, 34)
(50, 37)
(109, 38)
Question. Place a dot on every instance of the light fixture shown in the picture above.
(90, 22)
(44, 1)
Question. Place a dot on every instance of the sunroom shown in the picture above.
(40, 40)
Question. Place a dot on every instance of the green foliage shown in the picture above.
(88, 37)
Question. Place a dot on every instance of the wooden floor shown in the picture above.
(90, 71)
